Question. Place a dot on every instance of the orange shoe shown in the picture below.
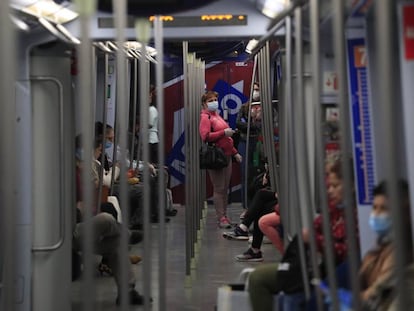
(134, 259)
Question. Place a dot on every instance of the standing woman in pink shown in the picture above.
(214, 129)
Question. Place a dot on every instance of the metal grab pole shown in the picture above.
(329, 252)
(293, 197)
(134, 112)
(142, 29)
(121, 122)
(267, 116)
(158, 34)
(302, 151)
(86, 10)
(189, 211)
(246, 160)
(385, 12)
(346, 148)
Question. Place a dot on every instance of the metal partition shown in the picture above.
(9, 169)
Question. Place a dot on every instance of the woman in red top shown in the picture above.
(286, 276)
(213, 128)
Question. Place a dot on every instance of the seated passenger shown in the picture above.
(135, 191)
(263, 203)
(107, 235)
(269, 279)
(377, 272)
(270, 226)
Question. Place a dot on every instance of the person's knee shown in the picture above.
(254, 279)
(262, 224)
(105, 219)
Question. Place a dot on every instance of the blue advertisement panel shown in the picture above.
(361, 120)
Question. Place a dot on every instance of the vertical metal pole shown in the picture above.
(94, 81)
(158, 34)
(246, 160)
(202, 172)
(346, 147)
(191, 127)
(188, 212)
(293, 197)
(134, 113)
(197, 145)
(85, 78)
(302, 152)
(121, 122)
(144, 74)
(194, 136)
(267, 115)
(385, 12)
(7, 154)
(283, 153)
(315, 59)
(104, 119)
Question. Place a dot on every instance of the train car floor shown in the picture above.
(215, 266)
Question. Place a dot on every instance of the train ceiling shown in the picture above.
(239, 21)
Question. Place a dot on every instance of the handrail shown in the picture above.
(59, 243)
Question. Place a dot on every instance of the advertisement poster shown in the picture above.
(361, 119)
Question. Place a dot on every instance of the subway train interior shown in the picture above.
(112, 198)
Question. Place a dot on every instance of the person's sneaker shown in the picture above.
(155, 219)
(250, 255)
(134, 298)
(134, 259)
(171, 212)
(224, 223)
(237, 234)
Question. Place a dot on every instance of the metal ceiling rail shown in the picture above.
(277, 23)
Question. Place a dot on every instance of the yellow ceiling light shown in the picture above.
(164, 18)
(271, 8)
(219, 17)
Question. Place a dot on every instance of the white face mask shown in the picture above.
(212, 106)
(256, 95)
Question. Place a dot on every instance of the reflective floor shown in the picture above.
(215, 267)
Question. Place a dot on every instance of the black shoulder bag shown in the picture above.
(212, 157)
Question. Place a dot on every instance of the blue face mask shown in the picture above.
(380, 224)
(108, 144)
(212, 106)
(79, 154)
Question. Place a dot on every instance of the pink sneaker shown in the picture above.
(224, 223)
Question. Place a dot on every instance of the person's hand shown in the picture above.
(228, 132)
(264, 180)
(152, 169)
(238, 158)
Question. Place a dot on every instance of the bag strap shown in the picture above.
(210, 143)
